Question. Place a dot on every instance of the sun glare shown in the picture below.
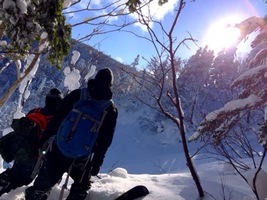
(222, 35)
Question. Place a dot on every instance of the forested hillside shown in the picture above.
(48, 76)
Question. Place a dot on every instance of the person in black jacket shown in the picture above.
(22, 145)
(56, 164)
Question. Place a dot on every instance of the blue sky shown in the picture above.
(197, 17)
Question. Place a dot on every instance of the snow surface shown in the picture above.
(141, 157)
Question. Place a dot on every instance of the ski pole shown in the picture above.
(40, 159)
(65, 185)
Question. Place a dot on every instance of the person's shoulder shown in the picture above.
(47, 111)
(112, 108)
(35, 110)
(69, 100)
(75, 92)
(73, 95)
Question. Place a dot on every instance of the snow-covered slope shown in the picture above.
(155, 159)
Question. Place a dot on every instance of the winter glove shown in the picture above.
(95, 171)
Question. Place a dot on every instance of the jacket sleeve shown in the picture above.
(105, 137)
(9, 145)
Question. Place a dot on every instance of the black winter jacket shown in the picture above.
(107, 130)
(22, 145)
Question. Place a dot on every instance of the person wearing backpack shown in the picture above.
(81, 167)
(22, 145)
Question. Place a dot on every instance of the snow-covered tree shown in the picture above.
(23, 24)
(194, 91)
(251, 85)
(38, 27)
(228, 128)
(225, 68)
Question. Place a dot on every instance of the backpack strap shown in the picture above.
(84, 94)
(97, 124)
(105, 103)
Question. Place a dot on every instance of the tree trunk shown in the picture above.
(15, 84)
(189, 163)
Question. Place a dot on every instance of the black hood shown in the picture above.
(98, 90)
(53, 99)
(105, 77)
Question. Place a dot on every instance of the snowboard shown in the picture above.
(134, 193)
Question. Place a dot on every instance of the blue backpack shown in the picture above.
(78, 132)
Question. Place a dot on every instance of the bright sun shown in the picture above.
(222, 34)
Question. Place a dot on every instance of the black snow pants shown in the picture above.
(17, 148)
(55, 164)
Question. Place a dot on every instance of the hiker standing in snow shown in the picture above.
(80, 169)
(22, 145)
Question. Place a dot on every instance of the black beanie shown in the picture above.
(53, 98)
(105, 76)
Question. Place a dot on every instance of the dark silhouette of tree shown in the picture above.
(163, 70)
